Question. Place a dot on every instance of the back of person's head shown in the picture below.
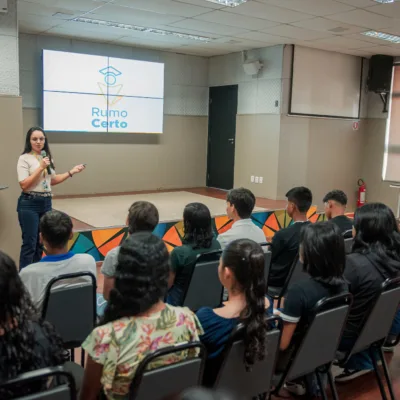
(142, 217)
(322, 252)
(242, 268)
(17, 332)
(197, 225)
(141, 278)
(299, 198)
(242, 201)
(335, 203)
(376, 231)
(56, 229)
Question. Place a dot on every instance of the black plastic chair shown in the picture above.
(233, 377)
(267, 265)
(375, 329)
(348, 234)
(348, 245)
(316, 350)
(204, 288)
(169, 380)
(71, 309)
(39, 380)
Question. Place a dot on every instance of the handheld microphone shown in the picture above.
(43, 154)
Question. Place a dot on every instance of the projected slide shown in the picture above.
(85, 93)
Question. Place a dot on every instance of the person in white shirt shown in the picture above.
(55, 232)
(239, 206)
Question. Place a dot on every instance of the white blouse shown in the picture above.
(27, 165)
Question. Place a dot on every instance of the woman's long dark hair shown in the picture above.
(245, 258)
(46, 148)
(17, 332)
(197, 226)
(323, 252)
(141, 278)
(377, 235)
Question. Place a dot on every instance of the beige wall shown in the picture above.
(11, 147)
(122, 163)
(256, 153)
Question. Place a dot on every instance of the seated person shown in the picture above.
(323, 256)
(198, 239)
(142, 217)
(239, 206)
(26, 342)
(285, 243)
(374, 258)
(241, 272)
(55, 232)
(335, 203)
(136, 321)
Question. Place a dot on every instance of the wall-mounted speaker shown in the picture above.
(380, 73)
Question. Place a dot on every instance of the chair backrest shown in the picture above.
(267, 264)
(39, 379)
(171, 379)
(234, 378)
(205, 288)
(321, 339)
(379, 320)
(348, 244)
(71, 309)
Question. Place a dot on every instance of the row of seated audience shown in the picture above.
(140, 274)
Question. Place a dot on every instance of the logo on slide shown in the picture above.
(110, 90)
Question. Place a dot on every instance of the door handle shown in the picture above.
(231, 140)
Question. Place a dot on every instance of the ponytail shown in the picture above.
(246, 259)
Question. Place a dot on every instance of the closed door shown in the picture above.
(221, 136)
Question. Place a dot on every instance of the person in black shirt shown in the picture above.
(335, 203)
(375, 257)
(323, 256)
(285, 243)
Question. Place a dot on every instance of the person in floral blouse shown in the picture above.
(136, 321)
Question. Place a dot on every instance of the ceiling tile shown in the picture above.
(271, 13)
(358, 3)
(263, 37)
(327, 25)
(296, 33)
(363, 18)
(313, 7)
(200, 3)
(130, 16)
(231, 19)
(188, 31)
(98, 36)
(204, 26)
(26, 8)
(33, 26)
(76, 5)
(390, 10)
(165, 7)
(343, 42)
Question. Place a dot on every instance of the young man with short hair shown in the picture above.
(55, 232)
(285, 243)
(335, 203)
(142, 217)
(239, 207)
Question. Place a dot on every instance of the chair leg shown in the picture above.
(378, 375)
(332, 385)
(321, 386)
(386, 372)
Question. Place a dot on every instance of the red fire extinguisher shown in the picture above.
(362, 191)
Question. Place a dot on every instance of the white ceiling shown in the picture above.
(326, 24)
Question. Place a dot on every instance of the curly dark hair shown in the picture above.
(141, 277)
(19, 320)
(197, 226)
(377, 235)
(245, 258)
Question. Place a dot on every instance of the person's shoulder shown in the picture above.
(84, 258)
(113, 252)
(32, 269)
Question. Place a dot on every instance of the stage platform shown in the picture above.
(99, 221)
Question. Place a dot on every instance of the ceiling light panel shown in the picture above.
(382, 36)
(143, 29)
(384, 1)
(228, 3)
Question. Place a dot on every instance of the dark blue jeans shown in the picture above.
(30, 210)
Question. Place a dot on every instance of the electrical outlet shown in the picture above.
(256, 179)
(252, 179)
(261, 179)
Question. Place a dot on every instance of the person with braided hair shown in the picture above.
(136, 321)
(26, 342)
(241, 272)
